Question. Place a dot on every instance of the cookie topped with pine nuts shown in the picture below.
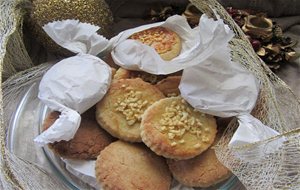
(120, 111)
(173, 129)
(165, 42)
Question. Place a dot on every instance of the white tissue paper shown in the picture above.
(75, 84)
(76, 36)
(83, 169)
(224, 88)
(197, 45)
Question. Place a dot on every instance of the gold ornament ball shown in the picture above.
(95, 12)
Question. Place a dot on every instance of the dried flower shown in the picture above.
(266, 37)
(258, 27)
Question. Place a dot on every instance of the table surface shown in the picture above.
(290, 72)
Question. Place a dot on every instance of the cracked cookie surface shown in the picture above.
(123, 165)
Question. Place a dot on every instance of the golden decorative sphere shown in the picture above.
(95, 12)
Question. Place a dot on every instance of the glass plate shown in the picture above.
(30, 114)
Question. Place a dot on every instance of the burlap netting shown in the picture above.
(277, 107)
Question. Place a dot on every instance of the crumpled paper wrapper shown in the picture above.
(76, 36)
(221, 87)
(75, 84)
(197, 45)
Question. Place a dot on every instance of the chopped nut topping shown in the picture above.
(206, 129)
(177, 121)
(197, 145)
(163, 129)
(172, 94)
(171, 136)
(158, 37)
(205, 139)
(131, 105)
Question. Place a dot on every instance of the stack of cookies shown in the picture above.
(142, 132)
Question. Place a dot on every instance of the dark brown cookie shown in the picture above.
(87, 143)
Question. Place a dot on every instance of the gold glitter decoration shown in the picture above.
(95, 12)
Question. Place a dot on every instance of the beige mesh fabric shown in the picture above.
(17, 173)
(276, 107)
(13, 55)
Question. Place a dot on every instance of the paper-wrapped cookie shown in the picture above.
(197, 45)
(225, 88)
(74, 84)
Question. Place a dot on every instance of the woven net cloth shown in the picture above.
(277, 107)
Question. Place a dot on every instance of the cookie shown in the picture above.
(113, 71)
(173, 129)
(204, 170)
(109, 60)
(147, 77)
(123, 165)
(87, 143)
(165, 42)
(119, 112)
(169, 86)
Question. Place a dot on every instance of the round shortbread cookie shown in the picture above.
(165, 42)
(119, 112)
(169, 86)
(172, 128)
(204, 170)
(124, 165)
(87, 143)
